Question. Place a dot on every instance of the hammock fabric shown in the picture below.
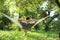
(27, 23)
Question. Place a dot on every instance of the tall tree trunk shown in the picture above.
(47, 24)
(59, 35)
(57, 1)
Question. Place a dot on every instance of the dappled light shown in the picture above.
(56, 19)
(29, 19)
(52, 13)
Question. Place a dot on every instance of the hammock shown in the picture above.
(31, 23)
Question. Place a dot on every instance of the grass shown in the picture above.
(18, 35)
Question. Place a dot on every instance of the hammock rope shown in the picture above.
(39, 21)
(16, 22)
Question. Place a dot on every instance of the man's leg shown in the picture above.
(25, 32)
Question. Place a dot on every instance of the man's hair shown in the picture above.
(27, 18)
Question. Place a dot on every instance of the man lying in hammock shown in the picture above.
(29, 23)
(26, 24)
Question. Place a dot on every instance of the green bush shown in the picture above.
(18, 35)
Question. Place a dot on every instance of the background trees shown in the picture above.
(35, 9)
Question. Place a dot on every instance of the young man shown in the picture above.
(26, 24)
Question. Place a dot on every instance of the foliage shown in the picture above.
(16, 35)
(35, 9)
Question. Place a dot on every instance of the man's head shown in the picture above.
(27, 18)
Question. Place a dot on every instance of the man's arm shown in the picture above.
(32, 21)
(22, 20)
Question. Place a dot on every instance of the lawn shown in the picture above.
(18, 35)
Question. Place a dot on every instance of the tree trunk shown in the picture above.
(57, 1)
(47, 24)
(59, 35)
